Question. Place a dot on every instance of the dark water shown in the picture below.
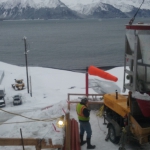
(64, 44)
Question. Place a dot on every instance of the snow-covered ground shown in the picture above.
(50, 88)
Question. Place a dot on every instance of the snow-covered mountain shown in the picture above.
(124, 5)
(127, 7)
(48, 9)
(97, 10)
(35, 9)
(31, 3)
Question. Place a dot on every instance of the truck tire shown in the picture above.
(112, 134)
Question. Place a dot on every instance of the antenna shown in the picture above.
(131, 21)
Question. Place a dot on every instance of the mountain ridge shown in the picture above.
(74, 9)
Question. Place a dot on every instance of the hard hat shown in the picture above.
(84, 100)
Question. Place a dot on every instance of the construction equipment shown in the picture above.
(128, 116)
(19, 85)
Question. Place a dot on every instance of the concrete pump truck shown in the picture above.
(128, 116)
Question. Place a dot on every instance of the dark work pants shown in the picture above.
(85, 126)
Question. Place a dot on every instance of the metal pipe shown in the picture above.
(131, 21)
(116, 94)
(22, 139)
(26, 60)
(30, 87)
(87, 82)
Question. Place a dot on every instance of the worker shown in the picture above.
(83, 115)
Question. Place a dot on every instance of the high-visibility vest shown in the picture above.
(79, 109)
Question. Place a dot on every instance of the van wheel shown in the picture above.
(112, 134)
(121, 148)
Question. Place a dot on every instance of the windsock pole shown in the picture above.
(87, 82)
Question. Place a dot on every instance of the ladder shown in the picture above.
(131, 57)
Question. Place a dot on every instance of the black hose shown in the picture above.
(131, 21)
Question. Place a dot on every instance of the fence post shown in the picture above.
(69, 101)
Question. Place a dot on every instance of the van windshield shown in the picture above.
(2, 93)
(1, 97)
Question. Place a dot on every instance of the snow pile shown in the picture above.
(49, 100)
(38, 114)
(33, 127)
(140, 96)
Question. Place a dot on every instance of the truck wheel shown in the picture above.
(112, 134)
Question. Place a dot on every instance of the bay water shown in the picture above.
(64, 44)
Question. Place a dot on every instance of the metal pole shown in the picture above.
(87, 82)
(30, 87)
(22, 139)
(26, 60)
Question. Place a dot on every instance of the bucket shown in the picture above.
(143, 50)
(144, 106)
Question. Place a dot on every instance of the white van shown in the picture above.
(2, 102)
(2, 96)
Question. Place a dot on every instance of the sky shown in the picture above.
(50, 88)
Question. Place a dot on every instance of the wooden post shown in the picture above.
(69, 101)
(37, 147)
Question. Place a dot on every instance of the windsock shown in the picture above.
(101, 73)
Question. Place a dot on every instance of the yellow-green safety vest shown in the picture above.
(79, 109)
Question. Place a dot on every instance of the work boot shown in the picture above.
(81, 140)
(89, 146)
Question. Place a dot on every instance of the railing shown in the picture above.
(93, 100)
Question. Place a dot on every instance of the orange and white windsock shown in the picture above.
(101, 73)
